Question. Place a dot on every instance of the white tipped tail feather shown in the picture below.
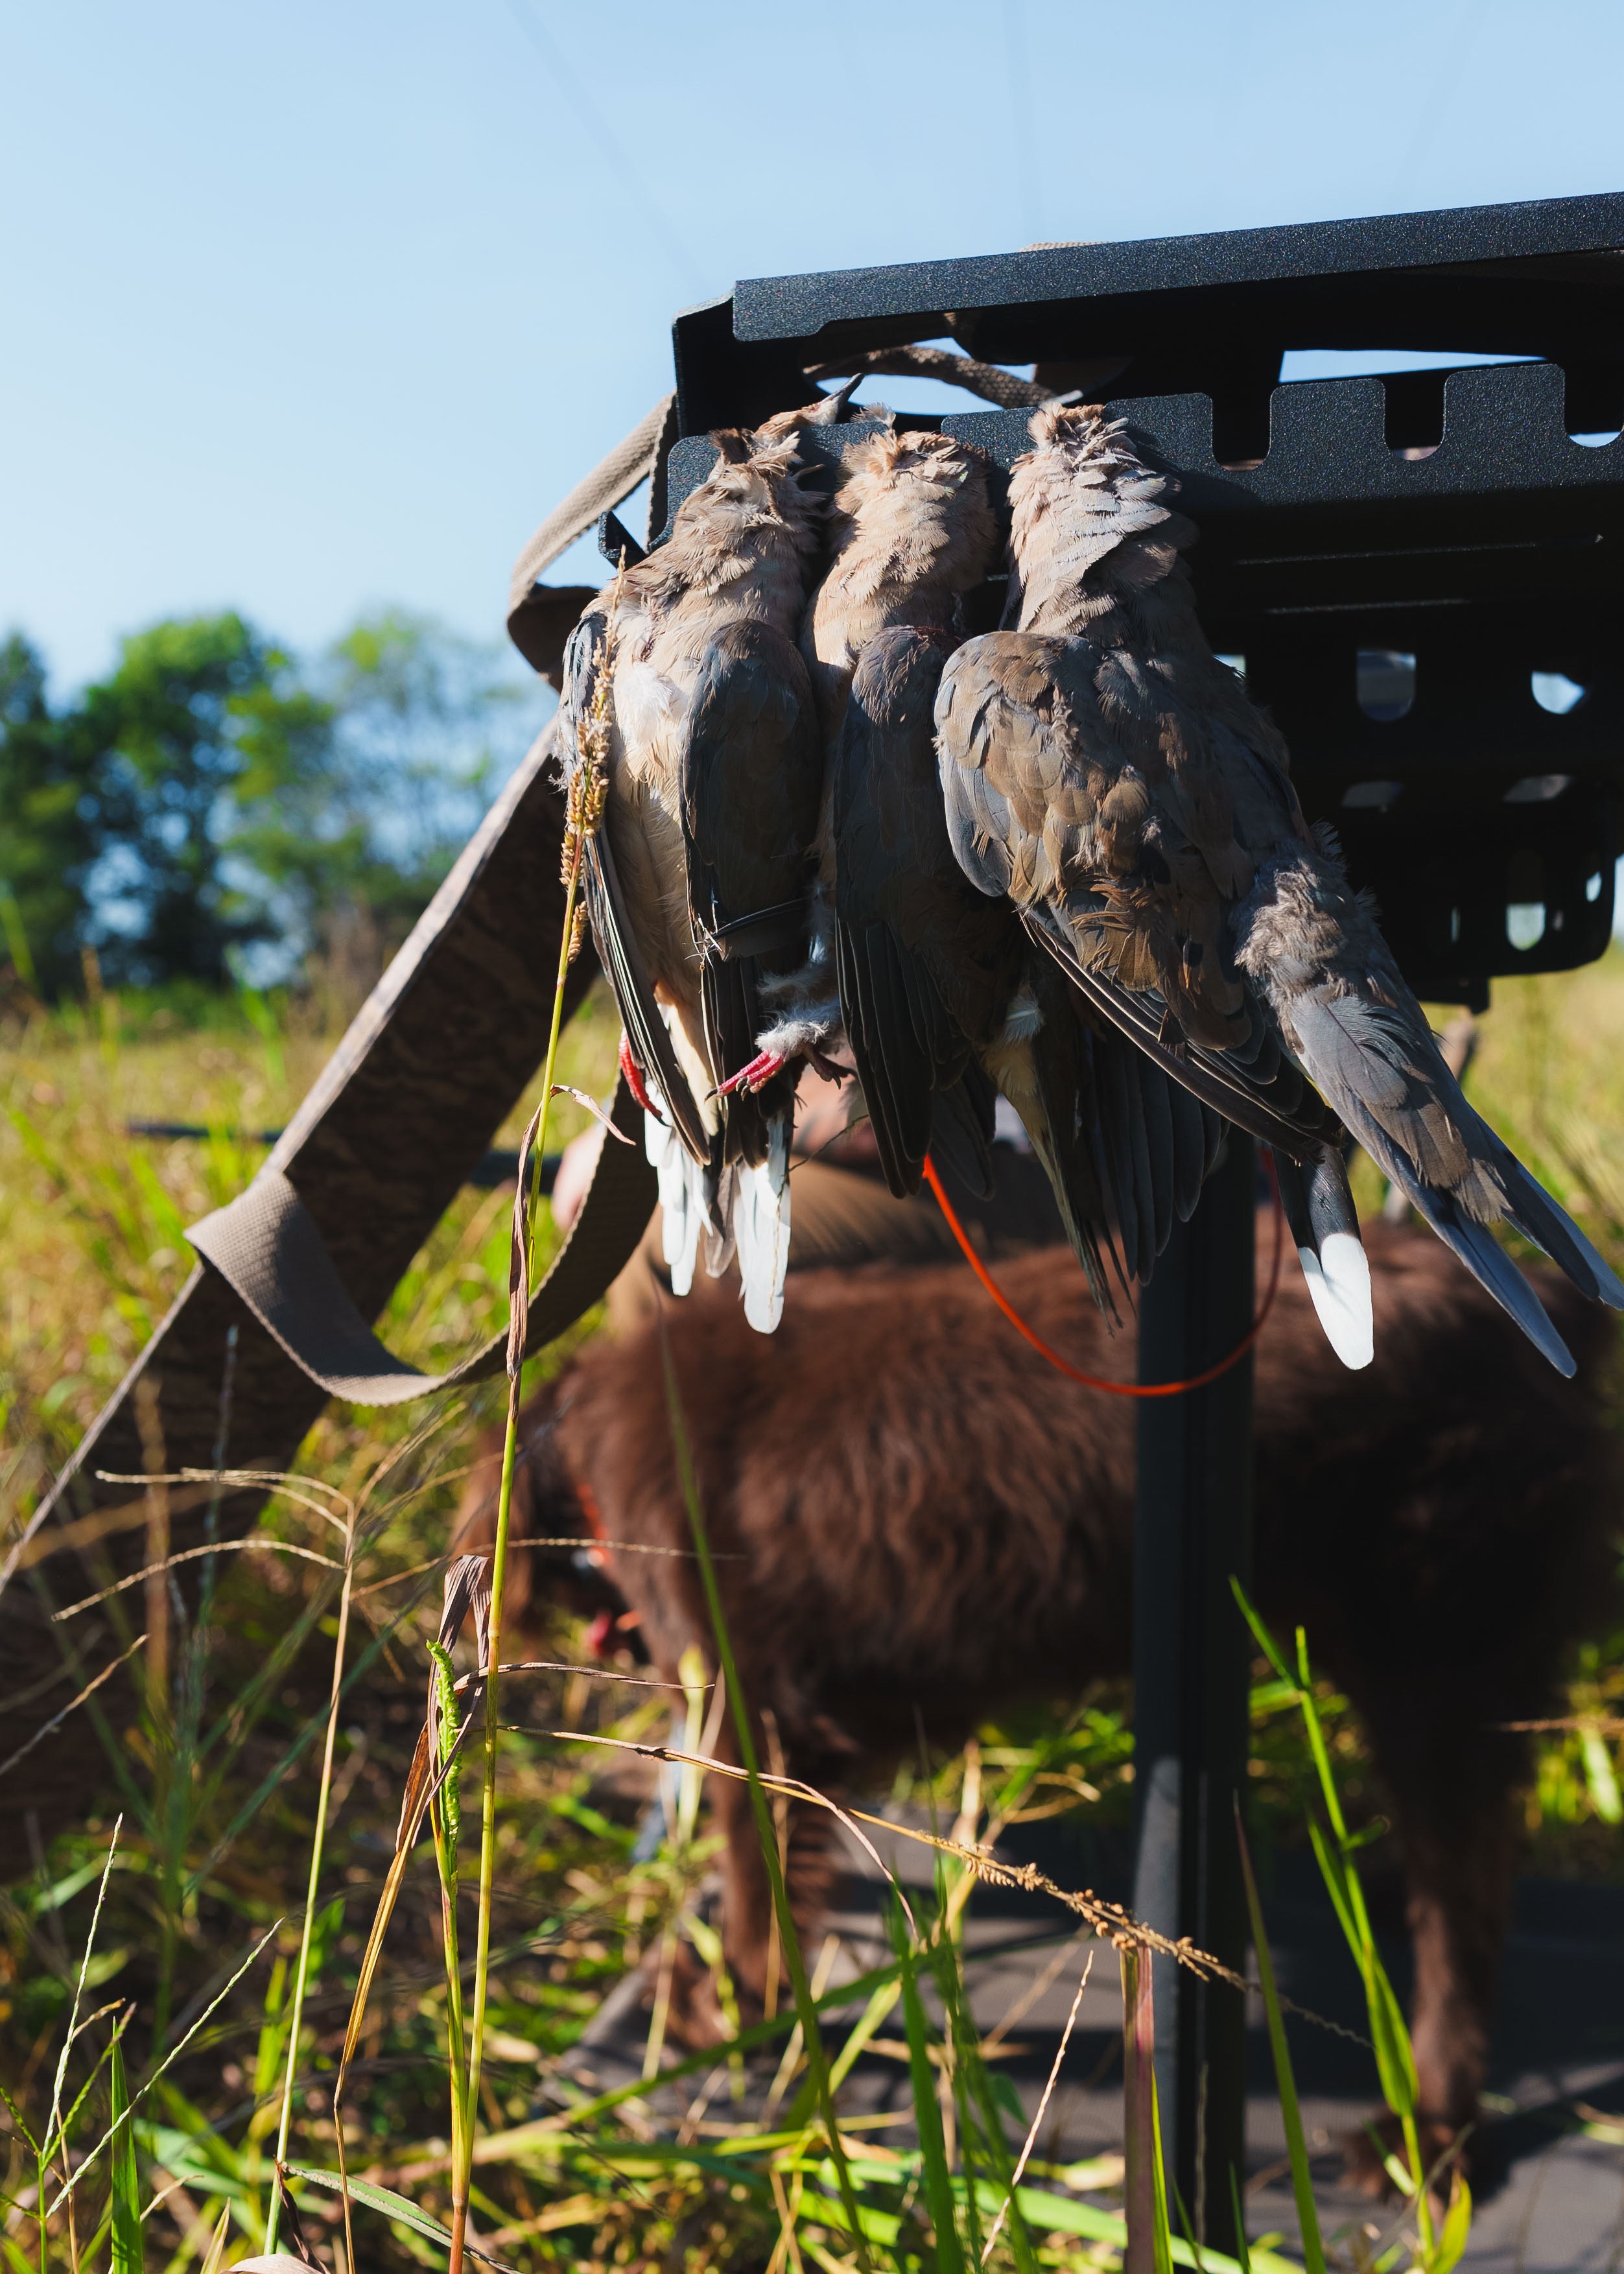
(682, 1200)
(760, 1226)
(750, 1213)
(1311, 945)
(1325, 1224)
(1339, 1283)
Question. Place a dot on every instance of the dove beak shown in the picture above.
(831, 410)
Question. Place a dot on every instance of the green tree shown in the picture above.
(47, 828)
(210, 798)
(202, 717)
(424, 726)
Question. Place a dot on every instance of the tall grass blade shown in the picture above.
(215, 2257)
(1138, 2134)
(518, 1317)
(423, 1786)
(1149, 2249)
(1291, 2115)
(1395, 2061)
(126, 2185)
(1456, 2230)
(169, 2058)
(57, 1721)
(317, 1841)
(586, 794)
(1242, 2253)
(870, 2022)
(806, 2005)
(55, 2129)
(1037, 2122)
(939, 2179)
(406, 2213)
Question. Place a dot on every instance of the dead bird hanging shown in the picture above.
(699, 887)
(944, 1000)
(1097, 894)
(1105, 773)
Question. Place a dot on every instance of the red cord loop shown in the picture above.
(1094, 1380)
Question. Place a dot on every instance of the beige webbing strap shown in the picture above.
(535, 624)
(989, 381)
(266, 1246)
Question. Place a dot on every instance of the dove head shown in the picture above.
(914, 508)
(751, 523)
(823, 410)
(1088, 522)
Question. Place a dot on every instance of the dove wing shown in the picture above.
(930, 965)
(1052, 795)
(618, 948)
(926, 964)
(751, 774)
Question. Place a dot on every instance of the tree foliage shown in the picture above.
(214, 804)
(47, 839)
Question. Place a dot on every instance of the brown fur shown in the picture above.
(929, 1517)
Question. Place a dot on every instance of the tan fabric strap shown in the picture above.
(630, 462)
(267, 1247)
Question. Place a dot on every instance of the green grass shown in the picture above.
(219, 1786)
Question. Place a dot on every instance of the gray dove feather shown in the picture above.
(942, 998)
(698, 878)
(1104, 770)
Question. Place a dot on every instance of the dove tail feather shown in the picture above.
(1074, 1208)
(761, 1227)
(1538, 1218)
(1489, 1264)
(1312, 947)
(1325, 1224)
(640, 1011)
(1117, 1151)
(1192, 1126)
(684, 1205)
(961, 1126)
(1157, 1115)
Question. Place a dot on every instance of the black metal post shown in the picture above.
(1191, 1660)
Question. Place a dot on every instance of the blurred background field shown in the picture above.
(221, 844)
(92, 1231)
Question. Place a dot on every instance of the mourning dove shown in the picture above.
(911, 527)
(946, 1000)
(698, 881)
(1104, 770)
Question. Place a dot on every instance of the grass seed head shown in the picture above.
(450, 1721)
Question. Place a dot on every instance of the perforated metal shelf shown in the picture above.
(1445, 520)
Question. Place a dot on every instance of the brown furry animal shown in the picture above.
(927, 1516)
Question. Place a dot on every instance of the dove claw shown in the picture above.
(635, 1081)
(752, 1077)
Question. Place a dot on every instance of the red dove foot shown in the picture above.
(751, 1077)
(635, 1081)
(763, 1069)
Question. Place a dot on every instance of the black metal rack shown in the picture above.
(1393, 561)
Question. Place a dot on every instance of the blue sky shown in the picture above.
(317, 307)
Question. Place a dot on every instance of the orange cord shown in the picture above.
(1094, 1380)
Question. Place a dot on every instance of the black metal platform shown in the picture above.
(1420, 575)
(1441, 525)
